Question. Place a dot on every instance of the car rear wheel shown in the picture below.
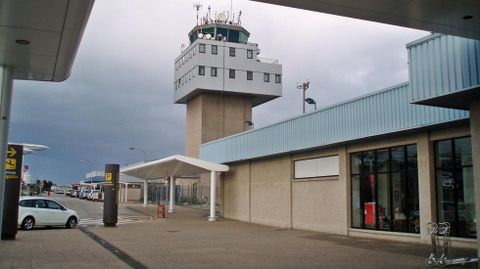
(28, 223)
(71, 223)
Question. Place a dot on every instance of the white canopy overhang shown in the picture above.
(173, 166)
(177, 166)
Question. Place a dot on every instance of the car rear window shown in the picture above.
(27, 203)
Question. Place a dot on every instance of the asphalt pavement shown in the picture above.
(187, 240)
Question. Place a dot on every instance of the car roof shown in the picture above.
(35, 197)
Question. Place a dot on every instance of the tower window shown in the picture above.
(201, 70)
(278, 78)
(249, 75)
(249, 54)
(214, 49)
(213, 71)
(266, 77)
(201, 48)
(231, 73)
(231, 52)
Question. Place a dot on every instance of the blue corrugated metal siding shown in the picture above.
(379, 113)
(441, 64)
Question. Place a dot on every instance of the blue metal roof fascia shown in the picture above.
(383, 112)
(441, 64)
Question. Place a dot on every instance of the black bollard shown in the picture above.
(110, 200)
(13, 172)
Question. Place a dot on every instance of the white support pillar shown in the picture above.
(145, 193)
(6, 82)
(126, 192)
(172, 194)
(475, 132)
(213, 187)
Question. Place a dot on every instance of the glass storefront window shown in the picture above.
(356, 209)
(454, 184)
(385, 189)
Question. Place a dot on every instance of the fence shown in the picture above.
(187, 195)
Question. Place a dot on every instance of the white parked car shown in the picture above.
(42, 211)
(94, 195)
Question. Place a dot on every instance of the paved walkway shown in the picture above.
(187, 240)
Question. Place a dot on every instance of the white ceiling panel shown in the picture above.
(53, 29)
(45, 15)
(41, 43)
(454, 17)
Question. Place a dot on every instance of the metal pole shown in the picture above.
(212, 196)
(172, 194)
(303, 99)
(145, 188)
(6, 80)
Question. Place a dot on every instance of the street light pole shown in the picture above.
(303, 86)
(142, 150)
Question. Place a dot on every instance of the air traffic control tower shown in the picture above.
(220, 78)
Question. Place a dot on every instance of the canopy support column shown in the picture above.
(145, 192)
(126, 193)
(213, 181)
(172, 194)
(6, 84)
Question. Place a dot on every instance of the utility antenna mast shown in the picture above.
(197, 6)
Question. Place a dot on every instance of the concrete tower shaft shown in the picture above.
(220, 78)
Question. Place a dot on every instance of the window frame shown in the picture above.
(231, 51)
(231, 73)
(214, 51)
(202, 48)
(278, 78)
(212, 72)
(266, 77)
(249, 54)
(249, 75)
(406, 179)
(201, 70)
(455, 177)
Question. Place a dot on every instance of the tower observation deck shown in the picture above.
(220, 59)
(220, 78)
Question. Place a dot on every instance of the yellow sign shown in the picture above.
(11, 152)
(108, 176)
(11, 164)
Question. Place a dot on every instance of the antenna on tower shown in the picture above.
(197, 6)
(209, 19)
(239, 15)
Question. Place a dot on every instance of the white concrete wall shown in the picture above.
(267, 187)
(320, 204)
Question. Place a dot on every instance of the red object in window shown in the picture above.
(370, 217)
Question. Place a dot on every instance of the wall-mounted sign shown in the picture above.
(13, 163)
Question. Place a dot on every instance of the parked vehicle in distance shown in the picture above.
(74, 193)
(83, 194)
(69, 192)
(94, 195)
(59, 191)
(36, 211)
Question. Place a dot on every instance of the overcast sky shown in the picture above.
(120, 92)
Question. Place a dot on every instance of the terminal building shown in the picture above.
(381, 165)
